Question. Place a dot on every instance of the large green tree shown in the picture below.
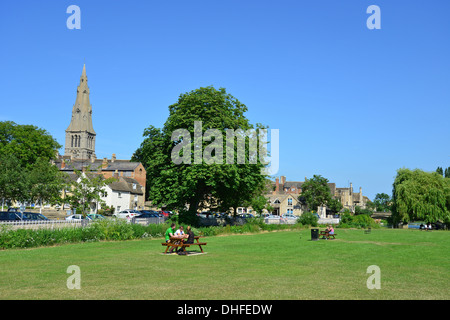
(44, 183)
(27, 143)
(420, 195)
(179, 174)
(382, 202)
(87, 189)
(27, 174)
(13, 179)
(316, 192)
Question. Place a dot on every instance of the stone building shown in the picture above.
(79, 154)
(80, 135)
(284, 196)
(350, 199)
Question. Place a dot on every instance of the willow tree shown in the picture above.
(420, 196)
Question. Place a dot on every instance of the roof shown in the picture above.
(290, 184)
(123, 184)
(78, 164)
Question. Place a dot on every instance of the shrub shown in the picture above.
(308, 219)
(115, 230)
(359, 221)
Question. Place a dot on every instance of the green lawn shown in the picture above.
(277, 265)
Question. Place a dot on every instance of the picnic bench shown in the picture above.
(176, 242)
(327, 235)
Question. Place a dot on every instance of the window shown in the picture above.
(276, 201)
(289, 201)
(119, 194)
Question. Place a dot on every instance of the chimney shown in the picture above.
(277, 181)
(351, 188)
(113, 158)
(93, 158)
(116, 174)
(105, 163)
(283, 180)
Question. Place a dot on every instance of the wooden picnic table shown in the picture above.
(179, 242)
(327, 235)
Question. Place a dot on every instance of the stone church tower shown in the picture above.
(80, 135)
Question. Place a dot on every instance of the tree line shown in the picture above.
(27, 174)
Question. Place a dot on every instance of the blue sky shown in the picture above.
(352, 104)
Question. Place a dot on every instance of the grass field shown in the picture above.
(276, 265)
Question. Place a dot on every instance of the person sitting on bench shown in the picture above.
(169, 233)
(190, 235)
(330, 230)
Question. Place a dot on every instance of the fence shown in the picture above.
(280, 221)
(328, 221)
(147, 221)
(54, 224)
(46, 224)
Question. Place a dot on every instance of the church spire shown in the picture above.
(83, 74)
(80, 135)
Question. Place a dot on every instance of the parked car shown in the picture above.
(289, 216)
(33, 216)
(220, 215)
(75, 217)
(125, 214)
(147, 214)
(165, 213)
(95, 216)
(271, 216)
(246, 216)
(205, 214)
(11, 216)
